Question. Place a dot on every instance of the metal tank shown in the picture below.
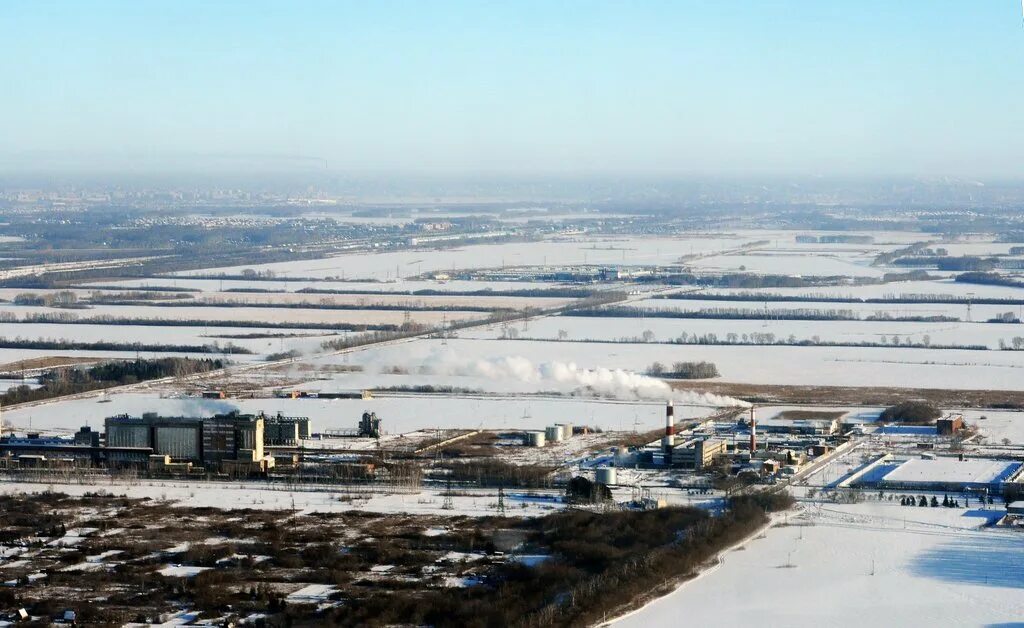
(535, 439)
(606, 475)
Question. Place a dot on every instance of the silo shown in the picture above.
(606, 475)
(554, 433)
(535, 439)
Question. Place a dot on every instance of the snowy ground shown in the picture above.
(871, 564)
(263, 496)
(811, 366)
(668, 329)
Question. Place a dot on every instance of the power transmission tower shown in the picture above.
(447, 503)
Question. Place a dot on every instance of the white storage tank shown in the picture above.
(566, 430)
(535, 439)
(554, 433)
(606, 475)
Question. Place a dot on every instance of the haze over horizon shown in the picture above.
(727, 89)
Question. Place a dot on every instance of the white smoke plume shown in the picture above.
(566, 376)
(199, 407)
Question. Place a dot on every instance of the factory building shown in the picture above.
(224, 437)
(949, 425)
(284, 431)
(698, 453)
(232, 436)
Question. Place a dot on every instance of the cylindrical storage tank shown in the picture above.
(606, 475)
(566, 430)
(535, 439)
(554, 433)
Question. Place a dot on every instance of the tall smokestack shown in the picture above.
(753, 430)
(669, 441)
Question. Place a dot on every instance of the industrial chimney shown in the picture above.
(669, 441)
(753, 431)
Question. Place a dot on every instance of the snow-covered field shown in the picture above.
(816, 366)
(263, 496)
(870, 564)
(790, 263)
(576, 251)
(668, 329)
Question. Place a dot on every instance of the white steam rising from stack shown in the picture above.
(601, 382)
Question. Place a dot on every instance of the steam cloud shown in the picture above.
(195, 406)
(600, 382)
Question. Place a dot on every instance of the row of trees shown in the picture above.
(684, 370)
(62, 298)
(69, 381)
(728, 313)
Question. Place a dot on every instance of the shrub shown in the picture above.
(910, 412)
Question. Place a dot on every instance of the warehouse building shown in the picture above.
(698, 453)
(212, 440)
(951, 474)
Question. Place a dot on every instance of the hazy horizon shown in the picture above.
(675, 90)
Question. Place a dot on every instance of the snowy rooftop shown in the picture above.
(970, 471)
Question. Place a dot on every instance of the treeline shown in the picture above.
(134, 296)
(960, 263)
(752, 281)
(369, 338)
(69, 381)
(494, 472)
(307, 305)
(761, 297)
(752, 314)
(684, 370)
(72, 345)
(144, 288)
(69, 318)
(62, 298)
(770, 339)
(599, 565)
(989, 279)
(564, 293)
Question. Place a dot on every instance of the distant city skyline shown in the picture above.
(690, 89)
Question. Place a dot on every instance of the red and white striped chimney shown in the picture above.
(669, 441)
(753, 430)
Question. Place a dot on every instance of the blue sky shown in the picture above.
(908, 87)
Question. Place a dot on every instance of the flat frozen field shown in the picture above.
(792, 263)
(813, 366)
(583, 250)
(264, 496)
(668, 329)
(997, 424)
(871, 564)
